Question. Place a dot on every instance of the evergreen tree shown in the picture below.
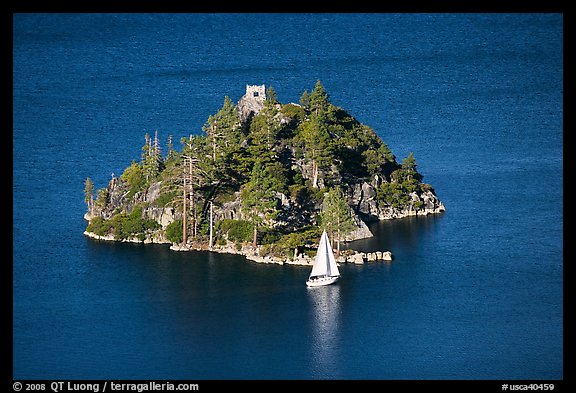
(271, 96)
(195, 177)
(318, 149)
(134, 178)
(259, 197)
(319, 100)
(146, 149)
(385, 151)
(375, 159)
(409, 169)
(89, 194)
(152, 161)
(409, 163)
(263, 134)
(224, 128)
(336, 216)
(156, 148)
(224, 136)
(305, 100)
(171, 154)
(101, 199)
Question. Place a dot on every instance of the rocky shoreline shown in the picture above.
(253, 254)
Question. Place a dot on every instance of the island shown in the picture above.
(262, 179)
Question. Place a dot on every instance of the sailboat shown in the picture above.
(324, 271)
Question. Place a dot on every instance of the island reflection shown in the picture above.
(325, 315)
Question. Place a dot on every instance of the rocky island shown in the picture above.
(262, 180)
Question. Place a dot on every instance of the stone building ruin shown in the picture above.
(252, 102)
(257, 92)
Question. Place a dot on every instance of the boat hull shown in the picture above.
(319, 282)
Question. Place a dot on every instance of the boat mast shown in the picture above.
(327, 250)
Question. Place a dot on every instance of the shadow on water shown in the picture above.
(401, 236)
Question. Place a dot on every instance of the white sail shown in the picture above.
(325, 263)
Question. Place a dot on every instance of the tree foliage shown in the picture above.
(173, 232)
(89, 194)
(223, 144)
(294, 112)
(134, 177)
(271, 96)
(317, 146)
(403, 181)
(305, 100)
(102, 198)
(236, 230)
(336, 217)
(263, 134)
(319, 100)
(152, 160)
(124, 225)
(259, 196)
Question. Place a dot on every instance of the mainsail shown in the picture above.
(325, 263)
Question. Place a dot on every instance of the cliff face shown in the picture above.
(362, 197)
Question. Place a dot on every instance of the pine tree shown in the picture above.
(336, 216)
(318, 149)
(224, 135)
(152, 161)
(224, 128)
(195, 176)
(171, 154)
(271, 96)
(375, 159)
(409, 163)
(409, 169)
(263, 133)
(319, 99)
(89, 194)
(259, 197)
(101, 198)
(156, 147)
(305, 100)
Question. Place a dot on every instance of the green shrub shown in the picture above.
(394, 194)
(102, 198)
(284, 246)
(294, 112)
(173, 232)
(165, 198)
(134, 178)
(237, 230)
(99, 226)
(298, 193)
(268, 235)
(128, 225)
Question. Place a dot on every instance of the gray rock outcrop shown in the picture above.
(363, 197)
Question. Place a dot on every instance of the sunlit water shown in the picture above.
(475, 293)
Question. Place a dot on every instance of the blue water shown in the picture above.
(475, 293)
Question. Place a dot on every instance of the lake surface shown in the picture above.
(474, 293)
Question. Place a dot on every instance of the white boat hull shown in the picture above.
(321, 281)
